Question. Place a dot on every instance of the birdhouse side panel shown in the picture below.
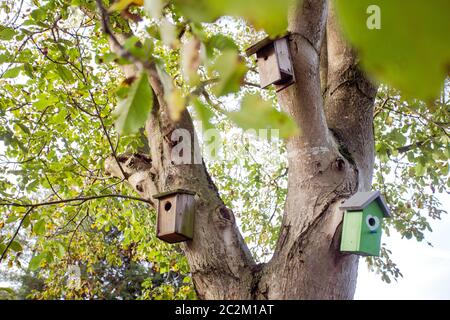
(185, 215)
(166, 216)
(283, 56)
(371, 230)
(351, 230)
(269, 71)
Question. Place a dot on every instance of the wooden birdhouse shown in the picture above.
(363, 218)
(176, 210)
(274, 62)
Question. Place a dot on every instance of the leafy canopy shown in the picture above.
(65, 106)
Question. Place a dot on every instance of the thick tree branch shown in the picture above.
(219, 259)
(349, 102)
(303, 101)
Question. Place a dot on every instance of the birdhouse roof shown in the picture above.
(360, 200)
(254, 48)
(172, 192)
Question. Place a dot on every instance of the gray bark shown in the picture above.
(332, 102)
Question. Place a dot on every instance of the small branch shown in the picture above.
(81, 199)
(15, 233)
(74, 232)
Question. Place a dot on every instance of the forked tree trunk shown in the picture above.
(332, 102)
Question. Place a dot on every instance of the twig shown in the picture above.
(15, 233)
(81, 199)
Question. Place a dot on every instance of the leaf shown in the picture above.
(256, 114)
(133, 111)
(4, 58)
(12, 218)
(231, 70)
(204, 113)
(64, 73)
(176, 104)
(60, 250)
(39, 227)
(7, 33)
(35, 262)
(123, 4)
(44, 101)
(411, 48)
(220, 42)
(269, 15)
(13, 72)
(26, 222)
(16, 246)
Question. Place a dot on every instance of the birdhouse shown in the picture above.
(176, 212)
(274, 62)
(363, 218)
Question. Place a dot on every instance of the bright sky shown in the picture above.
(425, 269)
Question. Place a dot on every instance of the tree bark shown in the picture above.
(332, 158)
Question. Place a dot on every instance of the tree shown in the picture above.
(80, 166)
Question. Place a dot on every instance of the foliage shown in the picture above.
(417, 35)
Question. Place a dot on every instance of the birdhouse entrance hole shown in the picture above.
(167, 206)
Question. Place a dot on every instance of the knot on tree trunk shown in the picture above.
(224, 217)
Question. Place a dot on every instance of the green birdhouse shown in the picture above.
(363, 218)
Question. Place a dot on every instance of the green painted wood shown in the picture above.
(362, 230)
(371, 239)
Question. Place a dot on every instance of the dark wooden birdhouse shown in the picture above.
(176, 210)
(274, 62)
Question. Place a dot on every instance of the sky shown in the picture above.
(425, 269)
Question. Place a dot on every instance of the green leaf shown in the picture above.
(64, 73)
(13, 72)
(231, 70)
(204, 113)
(257, 114)
(269, 15)
(16, 246)
(411, 48)
(26, 222)
(123, 4)
(7, 33)
(39, 227)
(12, 219)
(60, 250)
(35, 262)
(44, 101)
(4, 58)
(220, 42)
(133, 111)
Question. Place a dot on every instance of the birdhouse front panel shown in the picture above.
(176, 213)
(371, 230)
(267, 61)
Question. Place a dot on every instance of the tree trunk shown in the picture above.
(332, 103)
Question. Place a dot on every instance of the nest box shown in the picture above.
(363, 218)
(176, 210)
(274, 62)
